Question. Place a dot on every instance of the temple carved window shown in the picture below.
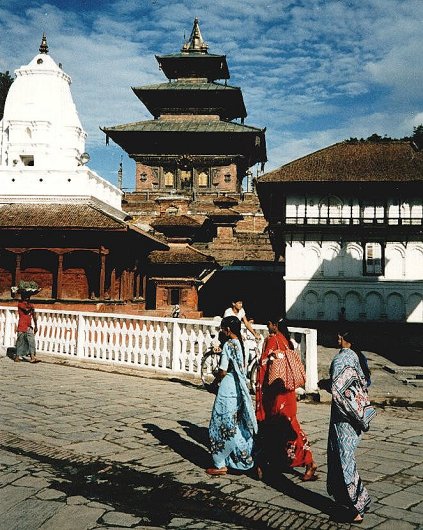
(203, 179)
(185, 177)
(169, 179)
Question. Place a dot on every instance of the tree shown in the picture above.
(417, 137)
(5, 83)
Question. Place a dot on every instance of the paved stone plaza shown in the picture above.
(88, 449)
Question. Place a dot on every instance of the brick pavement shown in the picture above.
(86, 449)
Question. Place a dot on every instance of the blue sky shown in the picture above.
(313, 72)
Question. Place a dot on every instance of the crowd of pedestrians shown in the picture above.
(271, 440)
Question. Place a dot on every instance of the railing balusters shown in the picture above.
(164, 344)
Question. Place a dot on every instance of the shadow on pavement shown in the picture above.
(188, 450)
(201, 457)
(310, 498)
(198, 434)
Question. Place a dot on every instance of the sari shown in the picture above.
(350, 415)
(233, 422)
(281, 442)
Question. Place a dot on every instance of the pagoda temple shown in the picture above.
(195, 163)
(192, 144)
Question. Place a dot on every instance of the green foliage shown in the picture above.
(417, 137)
(28, 286)
(5, 83)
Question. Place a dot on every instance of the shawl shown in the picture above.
(246, 409)
(349, 390)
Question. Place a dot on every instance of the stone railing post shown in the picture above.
(80, 336)
(8, 329)
(311, 360)
(175, 347)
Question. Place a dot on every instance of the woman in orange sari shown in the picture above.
(281, 442)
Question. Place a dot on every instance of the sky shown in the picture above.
(313, 72)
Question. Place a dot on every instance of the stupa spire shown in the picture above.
(43, 45)
(195, 42)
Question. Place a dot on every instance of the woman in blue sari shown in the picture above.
(351, 413)
(233, 421)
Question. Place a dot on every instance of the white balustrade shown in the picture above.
(162, 344)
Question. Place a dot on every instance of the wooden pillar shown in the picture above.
(137, 284)
(122, 285)
(59, 279)
(132, 281)
(103, 254)
(18, 268)
(113, 285)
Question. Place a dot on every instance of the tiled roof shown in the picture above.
(190, 126)
(62, 216)
(174, 220)
(181, 85)
(192, 53)
(180, 255)
(394, 161)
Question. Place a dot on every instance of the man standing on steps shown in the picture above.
(27, 327)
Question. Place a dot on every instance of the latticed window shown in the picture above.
(186, 178)
(203, 180)
(372, 211)
(330, 210)
(373, 259)
(169, 180)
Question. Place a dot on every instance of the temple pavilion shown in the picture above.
(61, 224)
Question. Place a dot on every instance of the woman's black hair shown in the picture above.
(349, 336)
(234, 324)
(283, 328)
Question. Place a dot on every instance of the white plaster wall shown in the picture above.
(320, 279)
(22, 184)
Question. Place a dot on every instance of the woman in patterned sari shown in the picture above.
(281, 443)
(233, 422)
(350, 416)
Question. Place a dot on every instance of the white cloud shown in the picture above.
(311, 72)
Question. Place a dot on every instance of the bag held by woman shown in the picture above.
(287, 367)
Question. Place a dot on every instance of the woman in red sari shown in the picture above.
(281, 442)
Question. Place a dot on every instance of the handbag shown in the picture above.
(287, 367)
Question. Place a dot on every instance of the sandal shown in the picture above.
(216, 470)
(310, 474)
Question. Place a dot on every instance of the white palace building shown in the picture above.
(349, 222)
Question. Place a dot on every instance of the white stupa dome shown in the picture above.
(40, 125)
(42, 142)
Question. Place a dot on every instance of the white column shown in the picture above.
(175, 348)
(311, 360)
(8, 329)
(80, 336)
